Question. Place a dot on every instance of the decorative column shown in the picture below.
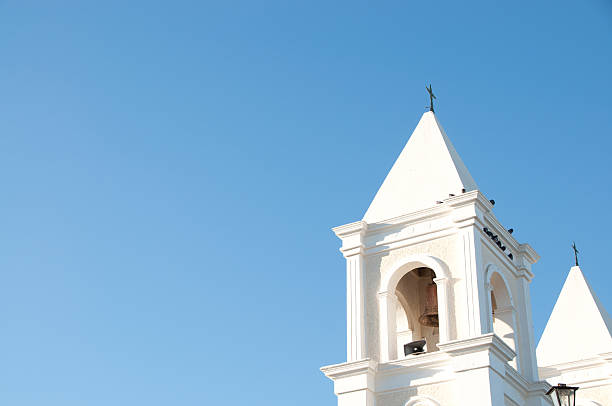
(488, 308)
(473, 277)
(387, 302)
(467, 213)
(352, 236)
(443, 309)
(526, 341)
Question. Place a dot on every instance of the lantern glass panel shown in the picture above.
(555, 398)
(566, 396)
(563, 395)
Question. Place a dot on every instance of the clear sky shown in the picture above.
(170, 172)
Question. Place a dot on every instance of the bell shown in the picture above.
(430, 315)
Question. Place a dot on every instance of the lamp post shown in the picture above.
(563, 395)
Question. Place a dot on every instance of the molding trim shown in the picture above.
(470, 345)
(350, 228)
(346, 369)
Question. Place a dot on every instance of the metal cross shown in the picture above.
(431, 97)
(575, 252)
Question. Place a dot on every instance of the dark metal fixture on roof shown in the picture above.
(431, 97)
(415, 347)
(575, 252)
(492, 202)
(511, 230)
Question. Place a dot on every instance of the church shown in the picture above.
(438, 308)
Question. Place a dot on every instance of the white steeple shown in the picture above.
(437, 295)
(579, 327)
(427, 170)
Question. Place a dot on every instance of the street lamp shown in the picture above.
(563, 395)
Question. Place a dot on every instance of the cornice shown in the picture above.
(429, 359)
(587, 373)
(474, 344)
(350, 229)
(346, 369)
(363, 238)
(538, 388)
(436, 211)
(502, 256)
(468, 198)
(529, 253)
(594, 362)
(519, 251)
(493, 223)
(517, 379)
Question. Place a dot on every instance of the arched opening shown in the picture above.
(404, 288)
(417, 310)
(502, 313)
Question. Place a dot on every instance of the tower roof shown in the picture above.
(427, 170)
(579, 326)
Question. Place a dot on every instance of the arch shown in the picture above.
(501, 313)
(404, 319)
(388, 299)
(421, 401)
(403, 266)
(493, 269)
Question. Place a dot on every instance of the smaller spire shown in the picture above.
(575, 252)
(579, 326)
(431, 97)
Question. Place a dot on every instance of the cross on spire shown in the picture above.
(431, 97)
(575, 252)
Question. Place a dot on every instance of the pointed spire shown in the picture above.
(427, 170)
(579, 326)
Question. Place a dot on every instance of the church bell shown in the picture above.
(430, 315)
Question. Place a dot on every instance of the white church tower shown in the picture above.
(429, 261)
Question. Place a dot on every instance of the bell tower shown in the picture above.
(438, 307)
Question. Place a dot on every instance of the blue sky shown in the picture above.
(170, 172)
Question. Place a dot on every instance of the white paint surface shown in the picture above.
(579, 327)
(427, 170)
(483, 355)
(576, 346)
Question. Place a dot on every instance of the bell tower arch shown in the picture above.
(414, 297)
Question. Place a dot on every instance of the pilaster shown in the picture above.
(353, 250)
(525, 336)
(444, 316)
(480, 363)
(354, 382)
(387, 302)
(473, 279)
